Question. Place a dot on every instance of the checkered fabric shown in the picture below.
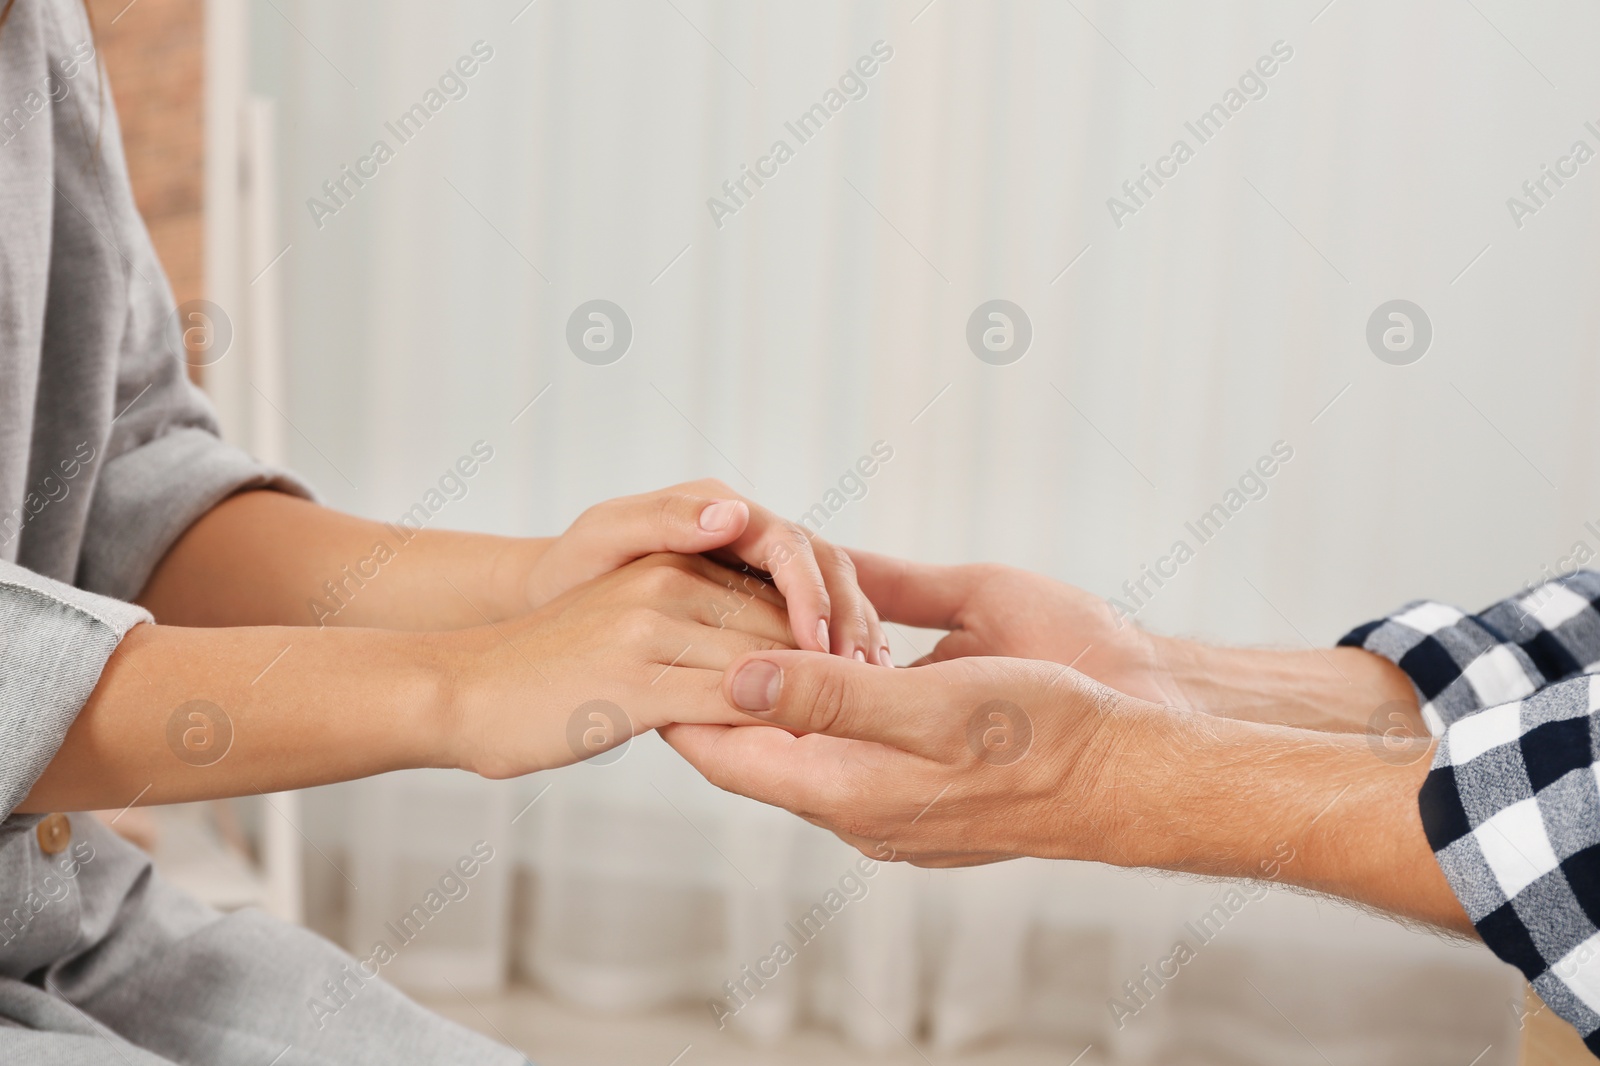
(1511, 805)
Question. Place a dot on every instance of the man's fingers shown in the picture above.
(766, 764)
(915, 594)
(914, 710)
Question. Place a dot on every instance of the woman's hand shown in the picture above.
(631, 650)
(190, 713)
(827, 609)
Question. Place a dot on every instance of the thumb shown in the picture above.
(812, 693)
(957, 644)
(926, 595)
(625, 529)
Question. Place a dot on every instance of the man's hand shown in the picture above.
(969, 761)
(1000, 610)
(973, 760)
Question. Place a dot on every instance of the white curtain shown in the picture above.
(1175, 341)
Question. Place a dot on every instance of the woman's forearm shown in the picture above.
(266, 558)
(188, 714)
(183, 714)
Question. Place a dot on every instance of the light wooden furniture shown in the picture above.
(1546, 1039)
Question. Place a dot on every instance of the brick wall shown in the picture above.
(154, 53)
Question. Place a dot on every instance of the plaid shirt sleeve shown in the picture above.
(1511, 805)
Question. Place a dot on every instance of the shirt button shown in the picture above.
(54, 834)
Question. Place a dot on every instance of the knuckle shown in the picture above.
(838, 800)
(663, 580)
(668, 508)
(706, 486)
(854, 822)
(599, 513)
(843, 566)
(983, 573)
(827, 700)
(637, 624)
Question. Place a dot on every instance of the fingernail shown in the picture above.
(756, 685)
(718, 516)
(861, 656)
(822, 634)
(884, 658)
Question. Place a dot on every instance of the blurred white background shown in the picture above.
(830, 312)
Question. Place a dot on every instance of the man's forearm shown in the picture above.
(1315, 810)
(1332, 689)
(189, 714)
(265, 558)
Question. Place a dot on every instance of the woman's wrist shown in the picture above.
(433, 728)
(514, 575)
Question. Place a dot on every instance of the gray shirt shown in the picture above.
(107, 452)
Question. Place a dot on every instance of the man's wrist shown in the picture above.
(1322, 811)
(1331, 689)
(1201, 798)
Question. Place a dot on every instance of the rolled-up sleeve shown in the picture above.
(1511, 804)
(165, 464)
(149, 495)
(57, 641)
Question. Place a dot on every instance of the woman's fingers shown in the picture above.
(740, 613)
(827, 609)
(699, 591)
(670, 520)
(817, 582)
(685, 694)
(782, 549)
(614, 533)
(692, 645)
(856, 631)
(741, 584)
